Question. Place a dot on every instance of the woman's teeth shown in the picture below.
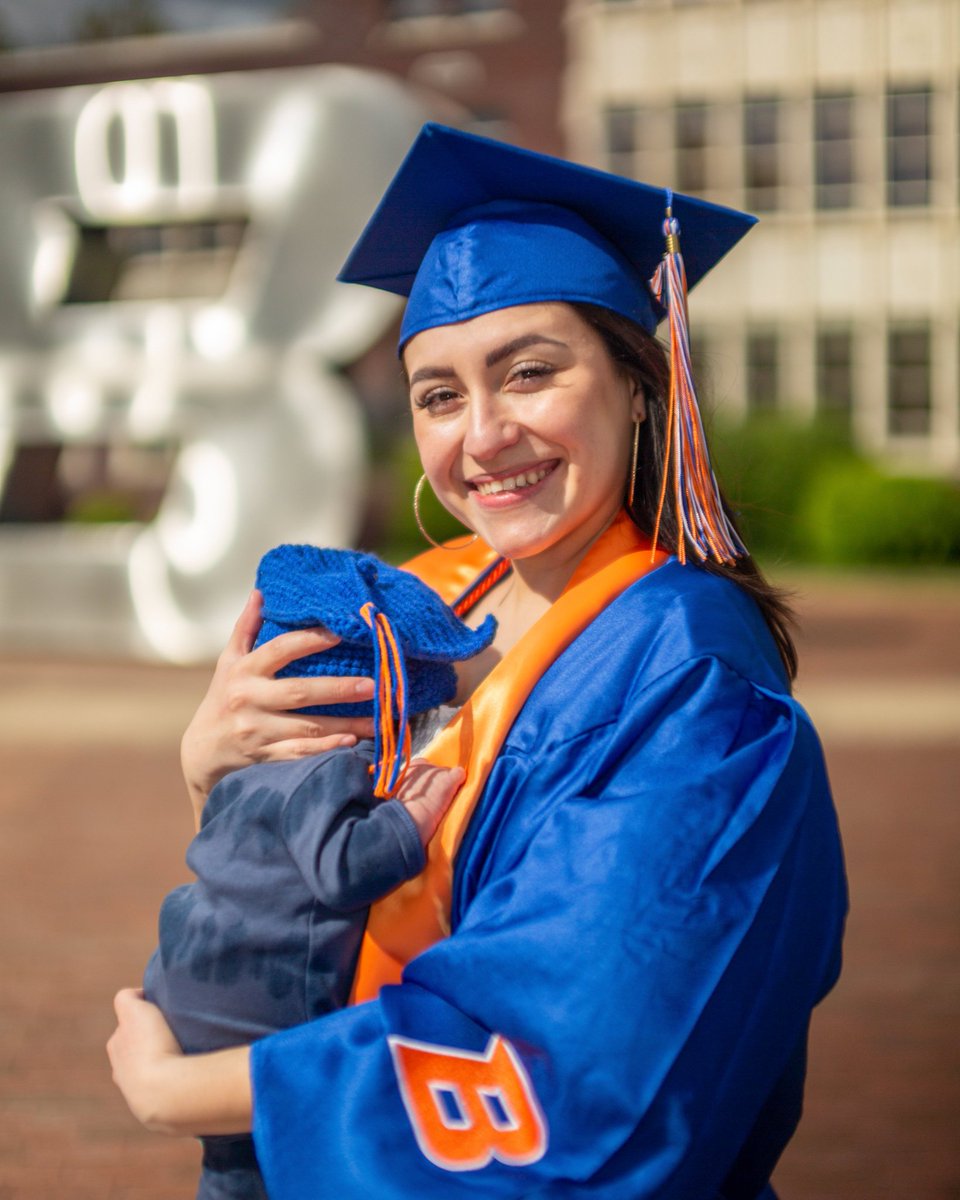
(513, 483)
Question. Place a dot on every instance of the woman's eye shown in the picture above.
(529, 373)
(436, 400)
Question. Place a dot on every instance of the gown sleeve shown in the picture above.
(650, 908)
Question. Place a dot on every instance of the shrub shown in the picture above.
(767, 465)
(855, 514)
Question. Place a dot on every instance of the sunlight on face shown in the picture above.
(523, 423)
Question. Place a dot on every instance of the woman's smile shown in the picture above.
(514, 485)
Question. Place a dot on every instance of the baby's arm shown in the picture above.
(352, 849)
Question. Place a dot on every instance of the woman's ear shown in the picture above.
(638, 403)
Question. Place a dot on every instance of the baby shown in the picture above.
(290, 855)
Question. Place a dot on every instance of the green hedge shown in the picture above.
(854, 514)
(767, 465)
(802, 494)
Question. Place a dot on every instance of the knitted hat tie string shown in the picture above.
(390, 716)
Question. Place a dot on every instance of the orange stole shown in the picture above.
(417, 914)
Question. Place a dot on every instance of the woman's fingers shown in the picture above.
(245, 630)
(140, 1050)
(308, 691)
(275, 739)
(249, 716)
(142, 1035)
(266, 710)
(123, 1001)
(304, 747)
(288, 647)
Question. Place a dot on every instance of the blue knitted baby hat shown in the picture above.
(304, 586)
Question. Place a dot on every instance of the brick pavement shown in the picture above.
(880, 671)
(92, 829)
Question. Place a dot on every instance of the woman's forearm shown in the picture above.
(172, 1093)
(203, 1094)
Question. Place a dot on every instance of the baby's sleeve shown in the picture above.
(350, 848)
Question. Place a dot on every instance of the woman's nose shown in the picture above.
(491, 427)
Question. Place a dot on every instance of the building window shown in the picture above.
(835, 373)
(620, 135)
(908, 147)
(833, 151)
(690, 133)
(400, 10)
(763, 370)
(908, 376)
(761, 153)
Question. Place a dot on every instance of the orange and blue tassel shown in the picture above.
(701, 519)
(391, 751)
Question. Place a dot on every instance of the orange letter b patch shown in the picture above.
(467, 1109)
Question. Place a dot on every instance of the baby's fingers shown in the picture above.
(427, 793)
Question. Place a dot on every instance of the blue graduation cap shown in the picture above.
(469, 225)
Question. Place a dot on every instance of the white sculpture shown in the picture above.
(220, 209)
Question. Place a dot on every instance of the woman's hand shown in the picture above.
(167, 1091)
(245, 716)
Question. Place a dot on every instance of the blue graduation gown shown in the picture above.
(648, 903)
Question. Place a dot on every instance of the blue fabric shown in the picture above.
(509, 253)
(304, 586)
(648, 904)
(288, 857)
(516, 227)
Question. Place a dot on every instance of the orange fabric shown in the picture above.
(417, 914)
(423, 1071)
(451, 572)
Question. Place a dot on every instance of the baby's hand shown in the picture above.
(427, 792)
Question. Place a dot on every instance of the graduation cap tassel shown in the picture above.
(390, 717)
(701, 519)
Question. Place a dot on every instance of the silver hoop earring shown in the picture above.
(417, 492)
(633, 463)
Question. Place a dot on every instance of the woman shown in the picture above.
(602, 984)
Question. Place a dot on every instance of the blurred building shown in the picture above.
(838, 123)
(500, 61)
(173, 399)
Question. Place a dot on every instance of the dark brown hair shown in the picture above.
(645, 360)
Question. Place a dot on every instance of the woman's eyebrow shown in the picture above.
(520, 343)
(431, 373)
(495, 356)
